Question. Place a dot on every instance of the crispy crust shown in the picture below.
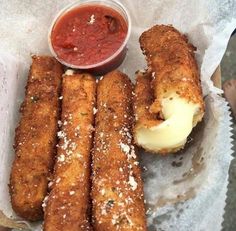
(35, 138)
(171, 59)
(172, 69)
(117, 189)
(143, 99)
(68, 202)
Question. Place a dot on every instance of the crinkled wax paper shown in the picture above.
(183, 192)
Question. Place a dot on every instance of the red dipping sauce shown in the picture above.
(90, 37)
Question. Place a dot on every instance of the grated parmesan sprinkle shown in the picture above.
(132, 183)
(58, 180)
(50, 184)
(61, 134)
(95, 110)
(44, 204)
(59, 123)
(61, 158)
(103, 191)
(124, 147)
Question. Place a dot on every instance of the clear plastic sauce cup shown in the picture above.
(91, 35)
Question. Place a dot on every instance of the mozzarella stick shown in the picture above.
(35, 138)
(117, 188)
(67, 206)
(177, 96)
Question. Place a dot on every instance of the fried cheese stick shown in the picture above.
(178, 102)
(35, 138)
(117, 188)
(67, 206)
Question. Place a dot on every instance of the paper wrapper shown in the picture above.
(183, 192)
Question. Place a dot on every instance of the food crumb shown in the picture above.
(69, 72)
(92, 19)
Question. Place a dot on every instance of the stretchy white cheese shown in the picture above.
(172, 133)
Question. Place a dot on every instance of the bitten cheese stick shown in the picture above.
(178, 102)
(35, 138)
(67, 206)
(117, 189)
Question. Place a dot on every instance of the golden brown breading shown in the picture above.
(174, 68)
(35, 138)
(117, 189)
(143, 98)
(67, 207)
(172, 72)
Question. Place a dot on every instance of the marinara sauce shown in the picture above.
(88, 34)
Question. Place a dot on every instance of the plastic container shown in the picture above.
(113, 61)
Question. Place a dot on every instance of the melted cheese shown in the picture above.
(172, 133)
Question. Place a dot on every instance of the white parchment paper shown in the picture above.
(183, 192)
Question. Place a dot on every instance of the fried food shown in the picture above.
(117, 189)
(143, 98)
(175, 84)
(68, 204)
(35, 138)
